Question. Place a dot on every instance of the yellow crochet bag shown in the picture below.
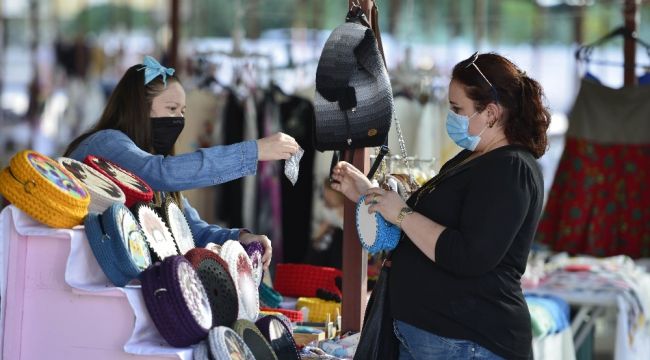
(43, 189)
(319, 308)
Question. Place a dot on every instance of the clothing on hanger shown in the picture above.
(599, 203)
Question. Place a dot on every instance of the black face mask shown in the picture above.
(164, 132)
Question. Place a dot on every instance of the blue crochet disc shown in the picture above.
(375, 233)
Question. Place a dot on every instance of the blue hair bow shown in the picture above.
(153, 69)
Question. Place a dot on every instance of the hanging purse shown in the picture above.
(378, 341)
(353, 103)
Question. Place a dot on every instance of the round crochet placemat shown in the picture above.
(43, 189)
(134, 188)
(256, 342)
(158, 237)
(239, 266)
(103, 192)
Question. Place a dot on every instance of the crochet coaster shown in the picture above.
(269, 297)
(160, 240)
(177, 223)
(103, 192)
(256, 342)
(255, 250)
(239, 265)
(44, 190)
(375, 233)
(279, 336)
(134, 188)
(297, 280)
(221, 290)
(224, 343)
(177, 301)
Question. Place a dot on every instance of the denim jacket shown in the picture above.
(204, 167)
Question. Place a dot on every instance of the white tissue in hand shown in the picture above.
(292, 166)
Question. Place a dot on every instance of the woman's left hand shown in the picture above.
(247, 238)
(387, 203)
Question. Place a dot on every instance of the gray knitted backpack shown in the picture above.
(353, 102)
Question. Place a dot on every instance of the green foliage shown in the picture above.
(96, 19)
(424, 21)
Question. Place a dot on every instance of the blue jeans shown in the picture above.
(416, 344)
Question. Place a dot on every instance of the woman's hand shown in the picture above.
(386, 203)
(278, 146)
(350, 181)
(247, 238)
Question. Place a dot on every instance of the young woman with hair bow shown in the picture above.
(138, 129)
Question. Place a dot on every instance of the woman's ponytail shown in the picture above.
(529, 126)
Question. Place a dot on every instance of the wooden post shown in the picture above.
(175, 30)
(355, 258)
(34, 93)
(630, 13)
(2, 60)
(480, 28)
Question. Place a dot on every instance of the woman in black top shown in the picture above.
(455, 285)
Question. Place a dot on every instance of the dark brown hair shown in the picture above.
(527, 118)
(128, 110)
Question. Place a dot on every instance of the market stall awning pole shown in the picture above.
(355, 259)
(630, 13)
(2, 57)
(175, 34)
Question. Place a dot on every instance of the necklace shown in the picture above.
(431, 184)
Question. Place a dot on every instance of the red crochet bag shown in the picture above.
(298, 280)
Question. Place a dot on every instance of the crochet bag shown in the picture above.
(221, 289)
(159, 239)
(44, 190)
(178, 226)
(177, 301)
(353, 103)
(375, 233)
(278, 334)
(118, 244)
(241, 270)
(256, 342)
(134, 188)
(103, 192)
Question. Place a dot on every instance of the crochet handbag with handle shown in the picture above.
(353, 103)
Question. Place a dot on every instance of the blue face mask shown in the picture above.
(458, 130)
